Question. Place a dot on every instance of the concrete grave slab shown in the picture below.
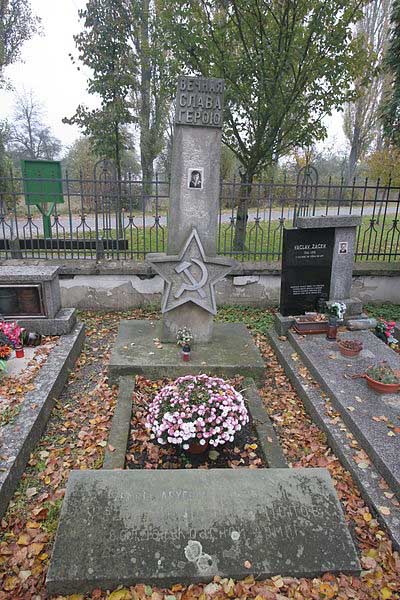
(19, 437)
(355, 401)
(160, 527)
(339, 439)
(231, 352)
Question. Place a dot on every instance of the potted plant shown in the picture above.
(382, 378)
(184, 339)
(311, 323)
(336, 312)
(350, 347)
(195, 412)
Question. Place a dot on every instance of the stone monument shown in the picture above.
(317, 267)
(190, 268)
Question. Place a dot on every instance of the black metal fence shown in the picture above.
(101, 217)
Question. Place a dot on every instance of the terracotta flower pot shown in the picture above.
(382, 388)
(197, 448)
(348, 351)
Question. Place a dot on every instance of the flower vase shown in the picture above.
(332, 328)
(197, 448)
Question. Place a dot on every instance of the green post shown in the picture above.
(46, 226)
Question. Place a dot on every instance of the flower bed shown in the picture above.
(234, 446)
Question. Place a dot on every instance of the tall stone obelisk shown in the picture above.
(191, 268)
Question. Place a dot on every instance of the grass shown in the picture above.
(387, 311)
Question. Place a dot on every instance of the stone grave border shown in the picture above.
(114, 457)
(21, 436)
(337, 436)
(350, 418)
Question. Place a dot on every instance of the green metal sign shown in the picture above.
(42, 187)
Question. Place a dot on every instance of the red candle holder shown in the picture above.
(19, 352)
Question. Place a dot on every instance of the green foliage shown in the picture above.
(385, 165)
(286, 65)
(258, 320)
(382, 372)
(103, 47)
(386, 311)
(391, 104)
(17, 24)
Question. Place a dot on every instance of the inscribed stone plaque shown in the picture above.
(161, 527)
(199, 101)
(306, 269)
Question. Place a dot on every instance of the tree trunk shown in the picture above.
(146, 156)
(354, 155)
(239, 242)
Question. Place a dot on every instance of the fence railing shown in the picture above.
(100, 217)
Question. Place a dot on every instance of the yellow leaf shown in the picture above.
(36, 548)
(367, 517)
(43, 556)
(10, 583)
(47, 480)
(386, 593)
(23, 540)
(327, 590)
(32, 525)
(123, 594)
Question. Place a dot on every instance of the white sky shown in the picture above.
(56, 82)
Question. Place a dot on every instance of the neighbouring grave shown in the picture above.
(370, 416)
(317, 267)
(163, 527)
(31, 296)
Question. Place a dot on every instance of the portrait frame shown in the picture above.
(195, 178)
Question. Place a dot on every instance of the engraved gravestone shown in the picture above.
(190, 268)
(306, 269)
(165, 527)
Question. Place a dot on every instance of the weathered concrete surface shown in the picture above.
(114, 456)
(267, 439)
(329, 221)
(231, 352)
(339, 439)
(45, 275)
(20, 437)
(122, 292)
(355, 401)
(161, 527)
(61, 324)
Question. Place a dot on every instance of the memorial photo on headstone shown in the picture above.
(196, 178)
(343, 247)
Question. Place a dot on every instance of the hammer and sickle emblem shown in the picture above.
(193, 285)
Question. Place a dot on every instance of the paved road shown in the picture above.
(76, 225)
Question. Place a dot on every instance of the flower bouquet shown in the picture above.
(12, 332)
(384, 331)
(184, 338)
(196, 411)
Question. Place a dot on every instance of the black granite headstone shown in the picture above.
(306, 269)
